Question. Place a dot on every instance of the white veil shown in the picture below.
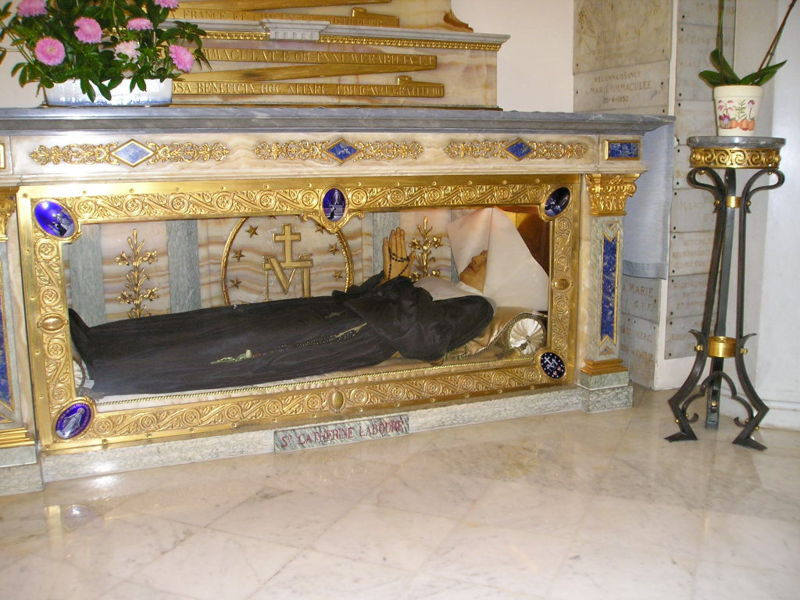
(513, 277)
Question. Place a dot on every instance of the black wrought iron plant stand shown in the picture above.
(729, 154)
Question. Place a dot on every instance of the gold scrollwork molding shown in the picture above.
(131, 153)
(736, 158)
(609, 193)
(517, 149)
(8, 205)
(326, 151)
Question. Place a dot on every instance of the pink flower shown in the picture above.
(129, 49)
(88, 31)
(182, 58)
(139, 24)
(32, 8)
(168, 3)
(49, 51)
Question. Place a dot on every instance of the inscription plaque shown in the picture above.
(637, 348)
(689, 252)
(331, 434)
(641, 297)
(686, 295)
(623, 87)
(692, 210)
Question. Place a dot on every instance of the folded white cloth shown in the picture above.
(513, 277)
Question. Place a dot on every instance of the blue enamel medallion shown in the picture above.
(557, 202)
(54, 219)
(5, 390)
(73, 420)
(334, 204)
(608, 314)
(552, 365)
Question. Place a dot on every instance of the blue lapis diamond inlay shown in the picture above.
(73, 420)
(519, 149)
(54, 219)
(608, 315)
(132, 153)
(342, 151)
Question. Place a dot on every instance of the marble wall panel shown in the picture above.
(637, 348)
(641, 297)
(693, 118)
(689, 252)
(694, 44)
(613, 33)
(704, 12)
(686, 295)
(692, 210)
(679, 342)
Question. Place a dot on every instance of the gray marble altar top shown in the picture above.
(710, 141)
(45, 121)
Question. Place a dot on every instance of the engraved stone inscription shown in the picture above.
(689, 253)
(317, 436)
(679, 342)
(623, 87)
(686, 295)
(692, 210)
(641, 297)
(637, 348)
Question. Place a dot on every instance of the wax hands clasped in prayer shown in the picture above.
(234, 346)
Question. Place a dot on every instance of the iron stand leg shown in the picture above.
(711, 339)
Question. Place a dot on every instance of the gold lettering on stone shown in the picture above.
(314, 57)
(244, 88)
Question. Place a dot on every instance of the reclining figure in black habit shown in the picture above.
(232, 346)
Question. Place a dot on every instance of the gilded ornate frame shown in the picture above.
(323, 398)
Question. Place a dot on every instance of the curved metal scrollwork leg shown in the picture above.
(715, 315)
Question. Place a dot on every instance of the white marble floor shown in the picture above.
(559, 507)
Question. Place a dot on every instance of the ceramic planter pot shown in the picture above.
(736, 108)
(68, 93)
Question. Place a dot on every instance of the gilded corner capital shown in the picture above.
(608, 193)
(8, 205)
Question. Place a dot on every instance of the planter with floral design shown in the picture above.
(69, 93)
(736, 109)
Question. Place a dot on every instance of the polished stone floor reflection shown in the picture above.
(559, 507)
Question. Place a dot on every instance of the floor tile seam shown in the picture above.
(301, 551)
(210, 524)
(453, 526)
(794, 524)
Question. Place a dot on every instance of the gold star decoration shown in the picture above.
(334, 249)
(252, 230)
(238, 255)
(319, 228)
(235, 283)
(337, 275)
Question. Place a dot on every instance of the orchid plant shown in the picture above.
(724, 73)
(99, 42)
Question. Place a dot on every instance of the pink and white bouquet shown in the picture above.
(99, 42)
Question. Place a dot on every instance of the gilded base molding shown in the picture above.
(602, 367)
(15, 438)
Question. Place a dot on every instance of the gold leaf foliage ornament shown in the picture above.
(135, 292)
(95, 154)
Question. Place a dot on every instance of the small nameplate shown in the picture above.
(317, 436)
